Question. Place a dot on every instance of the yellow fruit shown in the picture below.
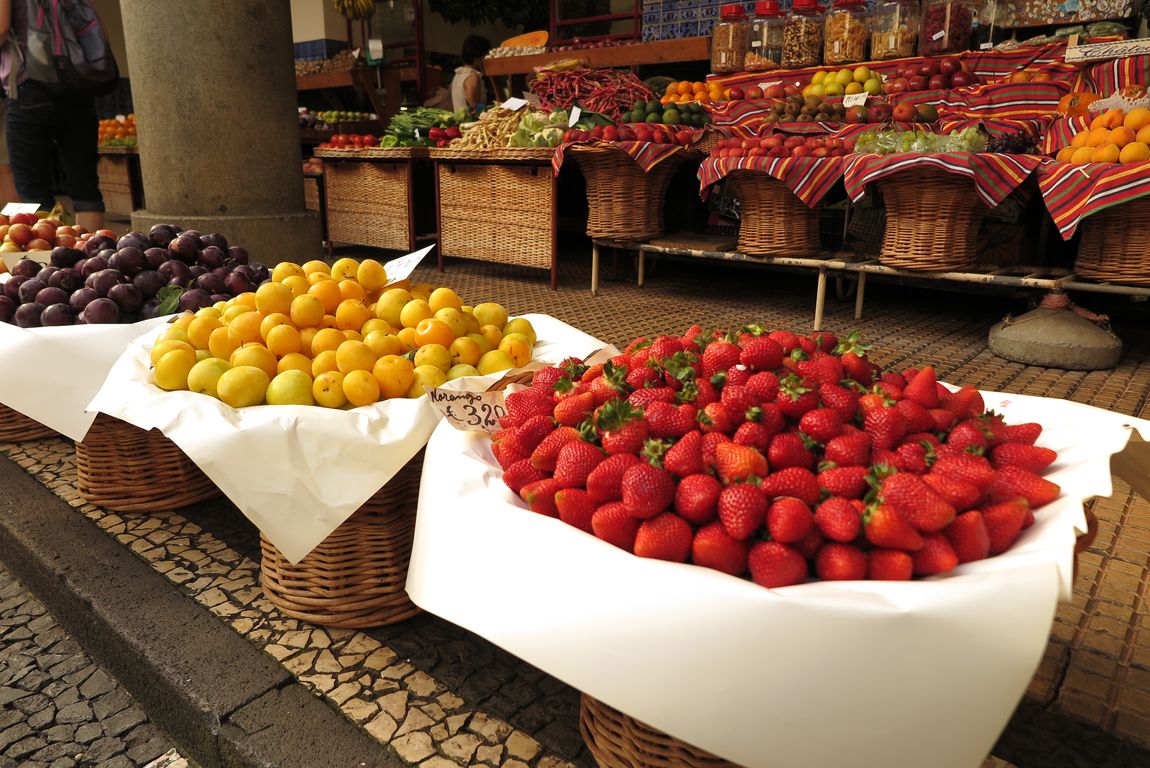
(271, 321)
(434, 355)
(384, 343)
(327, 322)
(221, 344)
(256, 355)
(853, 88)
(1097, 137)
(305, 338)
(350, 289)
(351, 335)
(315, 266)
(1143, 135)
(354, 356)
(360, 388)
(818, 77)
(394, 374)
(1082, 155)
(470, 321)
(316, 277)
(247, 298)
(162, 347)
(285, 269)
(433, 331)
(211, 312)
(324, 362)
(204, 374)
(344, 268)
(862, 74)
(177, 334)
(172, 369)
(371, 275)
(328, 293)
(461, 370)
(200, 329)
(274, 297)
(1107, 153)
(484, 345)
(521, 325)
(294, 361)
(1121, 136)
(351, 315)
(1079, 139)
(465, 351)
(517, 347)
(325, 340)
(290, 387)
(375, 324)
(296, 284)
(245, 329)
(1134, 152)
(234, 311)
(283, 340)
(389, 305)
(421, 291)
(202, 354)
(414, 311)
(183, 321)
(407, 336)
(453, 319)
(442, 298)
(492, 333)
(1064, 154)
(306, 311)
(494, 361)
(844, 76)
(327, 389)
(426, 377)
(1137, 118)
(242, 386)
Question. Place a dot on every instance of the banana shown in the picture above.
(354, 9)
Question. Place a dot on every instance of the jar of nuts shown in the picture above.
(894, 29)
(765, 38)
(946, 26)
(729, 40)
(803, 35)
(845, 33)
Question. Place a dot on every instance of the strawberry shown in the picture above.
(927, 440)
(1033, 458)
(605, 483)
(921, 389)
(737, 375)
(621, 427)
(1021, 433)
(573, 367)
(533, 431)
(666, 420)
(821, 424)
(935, 556)
(641, 377)
(685, 457)
(738, 463)
(843, 401)
(697, 498)
(692, 338)
(796, 398)
(640, 343)
(737, 397)
(849, 450)
(824, 340)
(827, 369)
(711, 441)
(609, 386)
(969, 536)
(573, 410)
(742, 509)
(889, 565)
(719, 356)
(789, 449)
(839, 519)
(776, 565)
(888, 390)
(642, 398)
(884, 526)
(789, 520)
(545, 378)
(855, 363)
(964, 403)
(647, 490)
(761, 354)
(540, 496)
(840, 562)
(763, 386)
(909, 494)
(769, 415)
(966, 435)
(665, 347)
(753, 434)
(545, 454)
(664, 537)
(872, 400)
(508, 447)
(525, 403)
(1011, 481)
(886, 426)
(713, 548)
(575, 507)
(958, 493)
(612, 523)
(592, 372)
(847, 482)
(793, 481)
(574, 463)
(993, 427)
(918, 419)
(1004, 522)
(975, 470)
(943, 419)
(704, 391)
(910, 457)
(719, 417)
(520, 474)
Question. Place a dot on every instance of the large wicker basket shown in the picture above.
(773, 221)
(1114, 247)
(624, 202)
(932, 220)
(369, 203)
(116, 183)
(617, 740)
(128, 469)
(15, 427)
(356, 577)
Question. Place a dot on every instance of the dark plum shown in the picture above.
(210, 283)
(127, 297)
(49, 296)
(65, 257)
(237, 254)
(180, 281)
(95, 244)
(150, 309)
(222, 272)
(101, 311)
(156, 257)
(173, 268)
(220, 297)
(212, 257)
(93, 265)
(261, 274)
(82, 298)
(247, 270)
(28, 315)
(7, 309)
(193, 233)
(26, 268)
(161, 235)
(29, 289)
(149, 282)
(12, 287)
(194, 299)
(106, 254)
(46, 272)
(196, 270)
(134, 240)
(58, 314)
(235, 283)
(129, 260)
(67, 279)
(186, 248)
(103, 280)
(216, 239)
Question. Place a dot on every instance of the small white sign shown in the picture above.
(985, 46)
(15, 257)
(375, 49)
(855, 99)
(576, 113)
(938, 35)
(401, 268)
(514, 104)
(470, 411)
(12, 208)
(770, 84)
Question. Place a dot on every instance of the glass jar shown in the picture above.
(946, 27)
(894, 29)
(729, 40)
(845, 33)
(803, 35)
(765, 37)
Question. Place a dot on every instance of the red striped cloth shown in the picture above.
(646, 154)
(995, 127)
(810, 178)
(1003, 101)
(1061, 132)
(1073, 192)
(1106, 77)
(994, 175)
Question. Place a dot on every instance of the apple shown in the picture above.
(67, 241)
(756, 152)
(753, 93)
(904, 113)
(790, 90)
(19, 233)
(949, 65)
(778, 152)
(856, 114)
(44, 230)
(962, 78)
(24, 218)
(938, 83)
(916, 83)
(878, 112)
(39, 244)
(775, 92)
(928, 68)
(793, 141)
(735, 94)
(834, 89)
(771, 142)
(801, 151)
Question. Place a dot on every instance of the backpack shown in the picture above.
(62, 47)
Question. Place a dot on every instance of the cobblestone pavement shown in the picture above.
(59, 709)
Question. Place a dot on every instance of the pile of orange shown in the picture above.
(1114, 136)
(114, 128)
(686, 91)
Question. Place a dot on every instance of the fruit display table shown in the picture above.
(120, 180)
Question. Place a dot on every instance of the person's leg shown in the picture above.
(78, 140)
(30, 147)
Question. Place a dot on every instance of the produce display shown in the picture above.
(800, 109)
(422, 127)
(337, 337)
(23, 232)
(524, 128)
(119, 131)
(606, 91)
(687, 91)
(886, 142)
(109, 280)
(946, 26)
(775, 456)
(930, 75)
(638, 132)
(844, 82)
(777, 145)
(341, 61)
(689, 114)
(1114, 136)
(328, 119)
(349, 141)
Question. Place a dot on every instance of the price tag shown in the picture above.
(470, 411)
(985, 46)
(531, 99)
(514, 104)
(576, 113)
(12, 259)
(756, 43)
(12, 208)
(417, 136)
(772, 83)
(375, 49)
(855, 99)
(401, 268)
(938, 35)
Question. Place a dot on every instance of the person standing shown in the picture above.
(467, 90)
(40, 123)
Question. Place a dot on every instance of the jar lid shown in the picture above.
(768, 8)
(732, 11)
(849, 3)
(805, 6)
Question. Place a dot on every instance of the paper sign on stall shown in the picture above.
(401, 268)
(12, 208)
(514, 104)
(11, 259)
(573, 118)
(855, 99)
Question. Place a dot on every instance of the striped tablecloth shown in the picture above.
(1073, 192)
(810, 178)
(994, 175)
(646, 154)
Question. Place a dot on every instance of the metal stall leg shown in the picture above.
(820, 298)
(859, 292)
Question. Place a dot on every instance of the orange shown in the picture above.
(684, 88)
(432, 331)
(350, 289)
(1134, 152)
(351, 314)
(1107, 153)
(672, 89)
(1098, 137)
(1122, 136)
(329, 294)
(1082, 155)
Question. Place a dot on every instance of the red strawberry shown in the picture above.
(789, 520)
(666, 420)
(966, 435)
(993, 427)
(935, 556)
(545, 378)
(841, 562)
(1011, 481)
(889, 565)
(776, 565)
(605, 388)
(796, 398)
(917, 501)
(520, 474)
(574, 409)
(839, 519)
(574, 463)
(664, 537)
(964, 403)
(737, 463)
(923, 439)
(643, 398)
(826, 370)
(693, 337)
(848, 482)
(754, 434)
(884, 526)
(647, 490)
(918, 419)
(958, 493)
(665, 346)
(737, 375)
(943, 419)
(614, 525)
(821, 424)
(545, 454)
(705, 392)
(1004, 522)
(712, 440)
(697, 498)
(788, 449)
(793, 481)
(1021, 433)
(844, 401)
(575, 507)
(969, 536)
(621, 427)
(605, 483)
(719, 356)
(685, 457)
(1033, 458)
(975, 470)
(761, 354)
(525, 403)
(788, 340)
(738, 397)
(508, 447)
(535, 430)
(592, 372)
(713, 548)
(824, 340)
(849, 450)
(719, 417)
(810, 545)
(769, 415)
(742, 509)
(540, 496)
(886, 426)
(921, 389)
(910, 457)
(763, 386)
(643, 376)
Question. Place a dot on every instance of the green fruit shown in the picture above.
(671, 117)
(639, 106)
(638, 116)
(654, 107)
(654, 117)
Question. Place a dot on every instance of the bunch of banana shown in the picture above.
(354, 9)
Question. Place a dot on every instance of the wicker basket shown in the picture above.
(369, 203)
(774, 222)
(525, 154)
(128, 469)
(116, 183)
(617, 740)
(623, 201)
(1114, 247)
(357, 576)
(311, 193)
(708, 140)
(15, 427)
(932, 220)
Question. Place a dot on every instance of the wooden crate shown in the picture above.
(117, 182)
(369, 202)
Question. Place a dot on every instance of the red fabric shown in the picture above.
(996, 176)
(1073, 192)
(646, 154)
(810, 178)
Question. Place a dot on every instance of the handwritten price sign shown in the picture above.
(470, 411)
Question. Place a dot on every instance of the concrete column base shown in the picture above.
(269, 239)
(1055, 338)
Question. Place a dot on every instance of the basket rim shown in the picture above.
(501, 153)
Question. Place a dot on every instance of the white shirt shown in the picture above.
(458, 98)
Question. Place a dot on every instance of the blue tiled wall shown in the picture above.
(319, 49)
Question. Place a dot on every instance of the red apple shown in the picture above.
(856, 114)
(904, 113)
(107, 233)
(67, 241)
(756, 152)
(776, 92)
(778, 152)
(24, 218)
(3, 231)
(44, 230)
(949, 65)
(939, 83)
(626, 133)
(962, 79)
(772, 141)
(833, 144)
(928, 68)
(793, 141)
(878, 112)
(753, 93)
(4, 219)
(736, 152)
(791, 90)
(19, 233)
(801, 151)
(837, 152)
(735, 94)
(39, 244)
(820, 152)
(916, 83)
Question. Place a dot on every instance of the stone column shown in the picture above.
(213, 87)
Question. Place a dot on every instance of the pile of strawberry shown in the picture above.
(775, 455)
